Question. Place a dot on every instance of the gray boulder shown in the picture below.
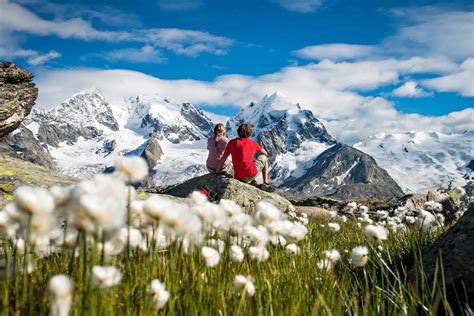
(221, 187)
(152, 152)
(17, 96)
(456, 247)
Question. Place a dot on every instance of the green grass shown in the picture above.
(285, 285)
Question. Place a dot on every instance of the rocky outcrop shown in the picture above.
(21, 143)
(197, 117)
(343, 172)
(17, 96)
(152, 152)
(220, 187)
(15, 172)
(456, 248)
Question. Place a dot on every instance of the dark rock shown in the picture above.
(152, 152)
(342, 172)
(221, 187)
(198, 118)
(456, 247)
(23, 144)
(17, 96)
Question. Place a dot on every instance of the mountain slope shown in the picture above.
(421, 161)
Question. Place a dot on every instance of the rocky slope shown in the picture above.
(422, 161)
(17, 96)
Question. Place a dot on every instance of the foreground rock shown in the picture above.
(221, 187)
(456, 246)
(17, 96)
(15, 172)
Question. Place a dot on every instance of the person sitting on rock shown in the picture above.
(216, 146)
(242, 151)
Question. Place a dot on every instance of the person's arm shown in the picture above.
(223, 159)
(260, 150)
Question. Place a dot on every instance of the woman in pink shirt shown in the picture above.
(216, 146)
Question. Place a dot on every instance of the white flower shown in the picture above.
(180, 221)
(197, 198)
(33, 200)
(61, 294)
(360, 256)
(20, 246)
(42, 223)
(266, 213)
(105, 277)
(236, 253)
(425, 219)
(433, 206)
(259, 235)
(159, 294)
(231, 209)
(156, 206)
(410, 219)
(460, 191)
(61, 194)
(135, 238)
(211, 256)
(259, 253)
(363, 209)
(332, 255)
(297, 232)
(131, 168)
(292, 249)
(375, 233)
(351, 207)
(324, 264)
(106, 213)
(244, 284)
(216, 244)
(334, 227)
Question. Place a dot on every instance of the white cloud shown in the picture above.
(179, 5)
(461, 81)
(301, 6)
(32, 57)
(410, 89)
(183, 42)
(146, 54)
(433, 31)
(335, 51)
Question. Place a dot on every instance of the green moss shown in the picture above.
(7, 187)
(9, 172)
(455, 196)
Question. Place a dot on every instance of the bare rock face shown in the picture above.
(220, 187)
(456, 247)
(17, 96)
(152, 152)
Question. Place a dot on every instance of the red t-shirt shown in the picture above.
(243, 151)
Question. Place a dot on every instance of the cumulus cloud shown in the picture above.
(330, 90)
(32, 57)
(301, 6)
(461, 81)
(410, 89)
(335, 51)
(145, 54)
(180, 41)
(433, 31)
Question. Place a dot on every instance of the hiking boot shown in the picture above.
(266, 187)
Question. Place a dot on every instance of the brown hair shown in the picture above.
(245, 130)
(219, 130)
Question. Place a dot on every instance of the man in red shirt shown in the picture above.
(242, 151)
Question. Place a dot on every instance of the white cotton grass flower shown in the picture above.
(267, 213)
(106, 213)
(425, 219)
(61, 194)
(460, 191)
(375, 233)
(334, 227)
(61, 290)
(197, 198)
(42, 223)
(292, 250)
(159, 294)
(410, 219)
(360, 256)
(244, 284)
(211, 256)
(131, 168)
(216, 244)
(236, 253)
(105, 277)
(230, 208)
(33, 200)
(332, 255)
(297, 232)
(155, 206)
(258, 253)
(433, 206)
(20, 246)
(180, 221)
(324, 264)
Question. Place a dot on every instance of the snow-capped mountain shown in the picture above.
(293, 137)
(85, 134)
(421, 161)
(305, 159)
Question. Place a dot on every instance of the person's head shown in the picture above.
(245, 130)
(219, 130)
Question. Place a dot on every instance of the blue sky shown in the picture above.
(409, 64)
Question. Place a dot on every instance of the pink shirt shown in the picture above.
(216, 151)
